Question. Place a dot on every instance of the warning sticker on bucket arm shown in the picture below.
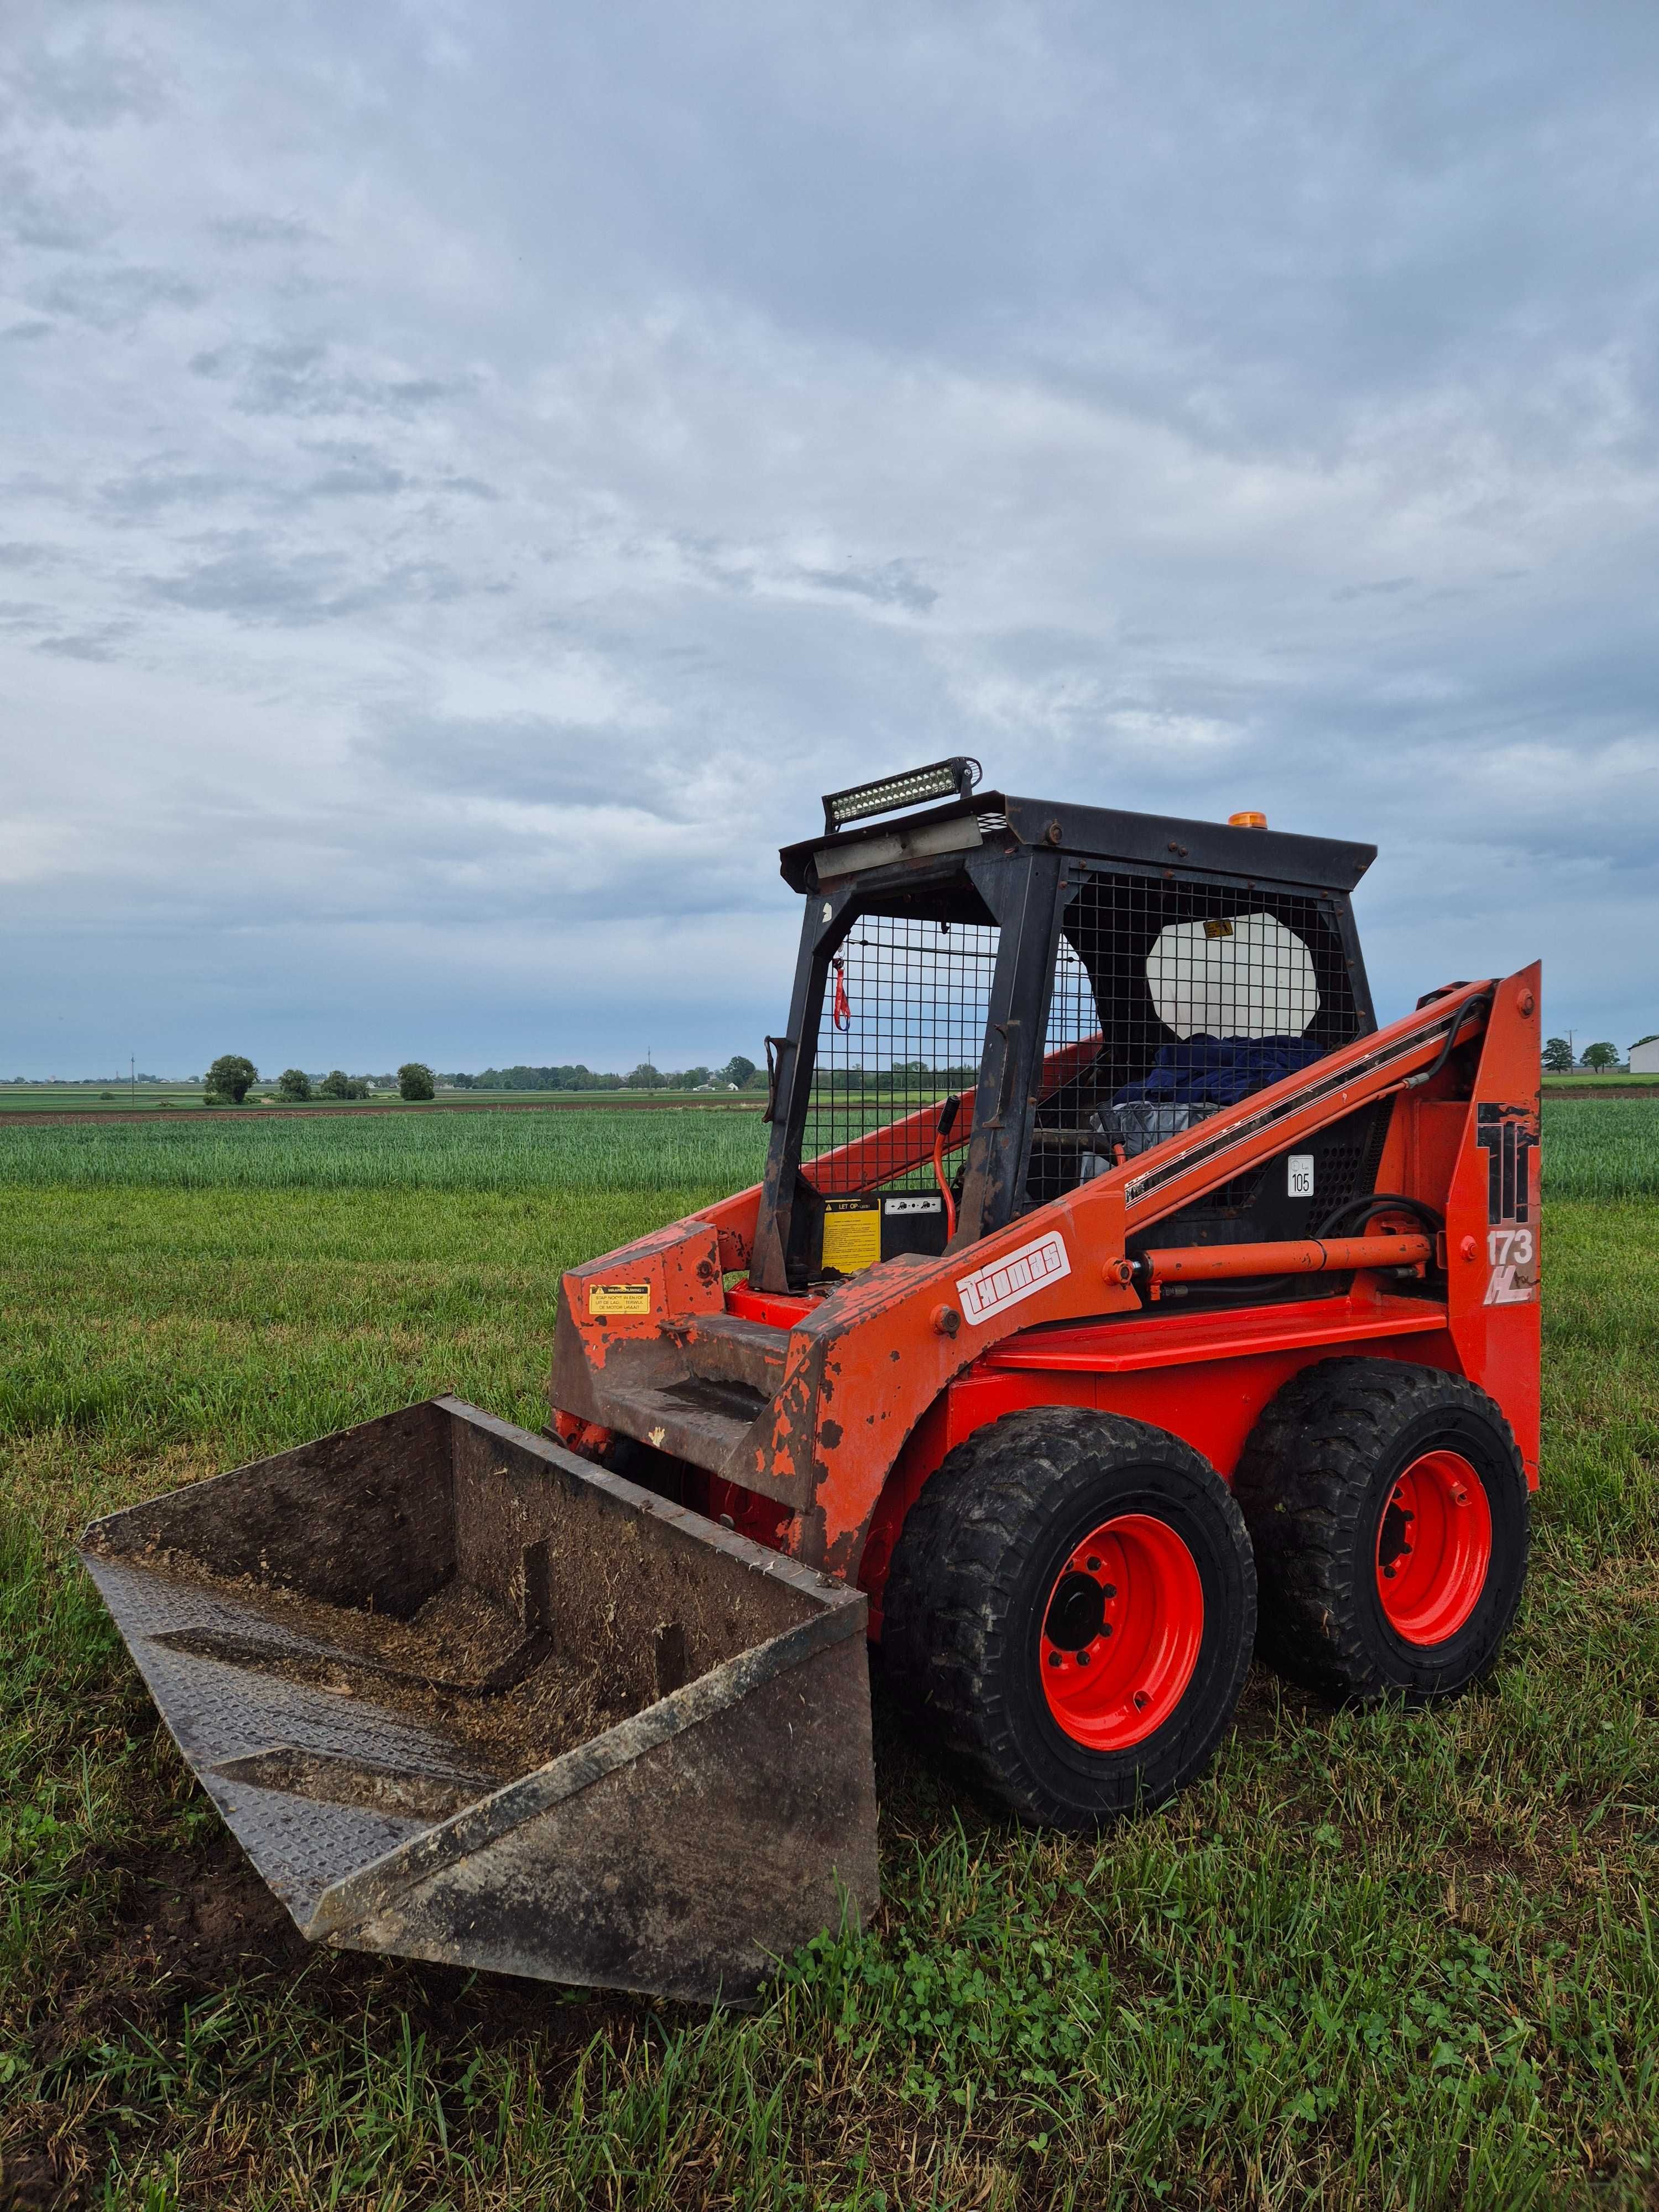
(1017, 1276)
(619, 1299)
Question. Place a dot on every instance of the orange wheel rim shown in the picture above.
(1120, 1633)
(1433, 1549)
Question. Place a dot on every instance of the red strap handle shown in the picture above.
(948, 1113)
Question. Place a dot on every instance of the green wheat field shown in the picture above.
(1388, 1959)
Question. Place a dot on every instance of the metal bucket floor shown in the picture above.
(225, 1714)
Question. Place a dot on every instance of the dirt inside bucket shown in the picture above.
(508, 1699)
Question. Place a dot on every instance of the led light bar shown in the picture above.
(947, 778)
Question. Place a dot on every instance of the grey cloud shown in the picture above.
(62, 217)
(87, 645)
(536, 761)
(117, 299)
(263, 230)
(1385, 587)
(350, 482)
(602, 446)
(97, 80)
(24, 333)
(744, 568)
(255, 584)
(301, 379)
(258, 586)
(148, 491)
(354, 469)
(891, 585)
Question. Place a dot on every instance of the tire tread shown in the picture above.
(1303, 1482)
(952, 1579)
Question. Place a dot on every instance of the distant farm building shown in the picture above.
(1644, 1058)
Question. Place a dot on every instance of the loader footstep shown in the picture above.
(333, 1666)
(341, 1779)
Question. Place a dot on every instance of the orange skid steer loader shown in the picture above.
(1118, 1299)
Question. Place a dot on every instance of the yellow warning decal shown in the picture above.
(1218, 929)
(852, 1234)
(619, 1299)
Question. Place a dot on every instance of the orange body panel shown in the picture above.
(881, 1376)
(1204, 1380)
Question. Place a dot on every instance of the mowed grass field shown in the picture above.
(1382, 1958)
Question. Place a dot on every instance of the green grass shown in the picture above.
(93, 1098)
(602, 1151)
(1601, 1148)
(1581, 1078)
(1593, 1148)
(109, 1099)
(1385, 1960)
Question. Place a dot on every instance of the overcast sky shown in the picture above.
(473, 474)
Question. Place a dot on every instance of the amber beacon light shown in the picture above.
(1249, 818)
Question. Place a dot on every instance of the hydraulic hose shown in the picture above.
(1380, 1201)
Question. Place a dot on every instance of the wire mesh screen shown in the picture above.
(902, 1030)
(1172, 1000)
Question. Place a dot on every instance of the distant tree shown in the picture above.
(229, 1077)
(693, 1078)
(737, 1070)
(461, 1082)
(1600, 1056)
(294, 1083)
(644, 1077)
(1557, 1056)
(336, 1084)
(414, 1080)
(758, 1081)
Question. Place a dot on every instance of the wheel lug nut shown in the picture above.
(1093, 1566)
(1106, 1628)
(1082, 1658)
(1054, 1659)
(1109, 1590)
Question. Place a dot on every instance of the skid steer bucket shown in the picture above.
(462, 1695)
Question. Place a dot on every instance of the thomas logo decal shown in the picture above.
(1017, 1276)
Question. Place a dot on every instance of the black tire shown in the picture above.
(1316, 1479)
(968, 1601)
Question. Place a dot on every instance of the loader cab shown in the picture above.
(1082, 983)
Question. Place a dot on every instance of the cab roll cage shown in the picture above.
(1019, 864)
